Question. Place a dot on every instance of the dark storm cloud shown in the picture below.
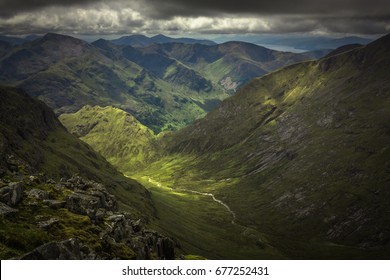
(169, 8)
(194, 16)
(12, 7)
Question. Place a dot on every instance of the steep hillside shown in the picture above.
(59, 199)
(301, 155)
(231, 64)
(68, 73)
(33, 140)
(115, 134)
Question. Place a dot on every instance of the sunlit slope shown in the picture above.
(301, 154)
(115, 134)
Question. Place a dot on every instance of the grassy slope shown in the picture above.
(301, 146)
(295, 154)
(115, 134)
(238, 60)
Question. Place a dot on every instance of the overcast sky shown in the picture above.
(191, 17)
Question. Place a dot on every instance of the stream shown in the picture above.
(158, 184)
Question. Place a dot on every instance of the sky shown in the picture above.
(194, 17)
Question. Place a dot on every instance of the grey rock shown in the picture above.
(64, 250)
(165, 248)
(5, 210)
(82, 204)
(55, 204)
(38, 194)
(48, 223)
(50, 181)
(137, 225)
(12, 194)
(100, 213)
(116, 218)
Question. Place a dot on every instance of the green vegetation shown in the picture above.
(115, 134)
(203, 227)
(31, 135)
(300, 155)
(166, 87)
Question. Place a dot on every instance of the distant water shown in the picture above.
(282, 48)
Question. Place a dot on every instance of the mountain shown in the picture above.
(12, 40)
(313, 43)
(115, 134)
(304, 148)
(229, 65)
(342, 49)
(298, 159)
(18, 40)
(68, 73)
(59, 199)
(164, 86)
(142, 40)
(33, 140)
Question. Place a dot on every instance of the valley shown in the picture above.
(191, 149)
(300, 143)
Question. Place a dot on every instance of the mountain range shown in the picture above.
(143, 41)
(165, 86)
(296, 155)
(274, 155)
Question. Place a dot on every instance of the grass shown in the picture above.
(203, 226)
(300, 155)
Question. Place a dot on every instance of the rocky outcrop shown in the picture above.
(145, 243)
(115, 232)
(5, 210)
(89, 198)
(64, 250)
(12, 194)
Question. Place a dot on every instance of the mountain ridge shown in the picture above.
(139, 40)
(301, 146)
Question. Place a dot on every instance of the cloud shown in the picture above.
(104, 17)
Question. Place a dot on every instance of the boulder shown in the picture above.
(12, 194)
(38, 194)
(5, 210)
(54, 204)
(47, 223)
(64, 250)
(83, 204)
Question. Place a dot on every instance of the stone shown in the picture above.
(166, 248)
(12, 194)
(82, 204)
(50, 181)
(38, 194)
(137, 225)
(5, 210)
(64, 250)
(48, 223)
(100, 213)
(55, 204)
(116, 218)
(34, 179)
